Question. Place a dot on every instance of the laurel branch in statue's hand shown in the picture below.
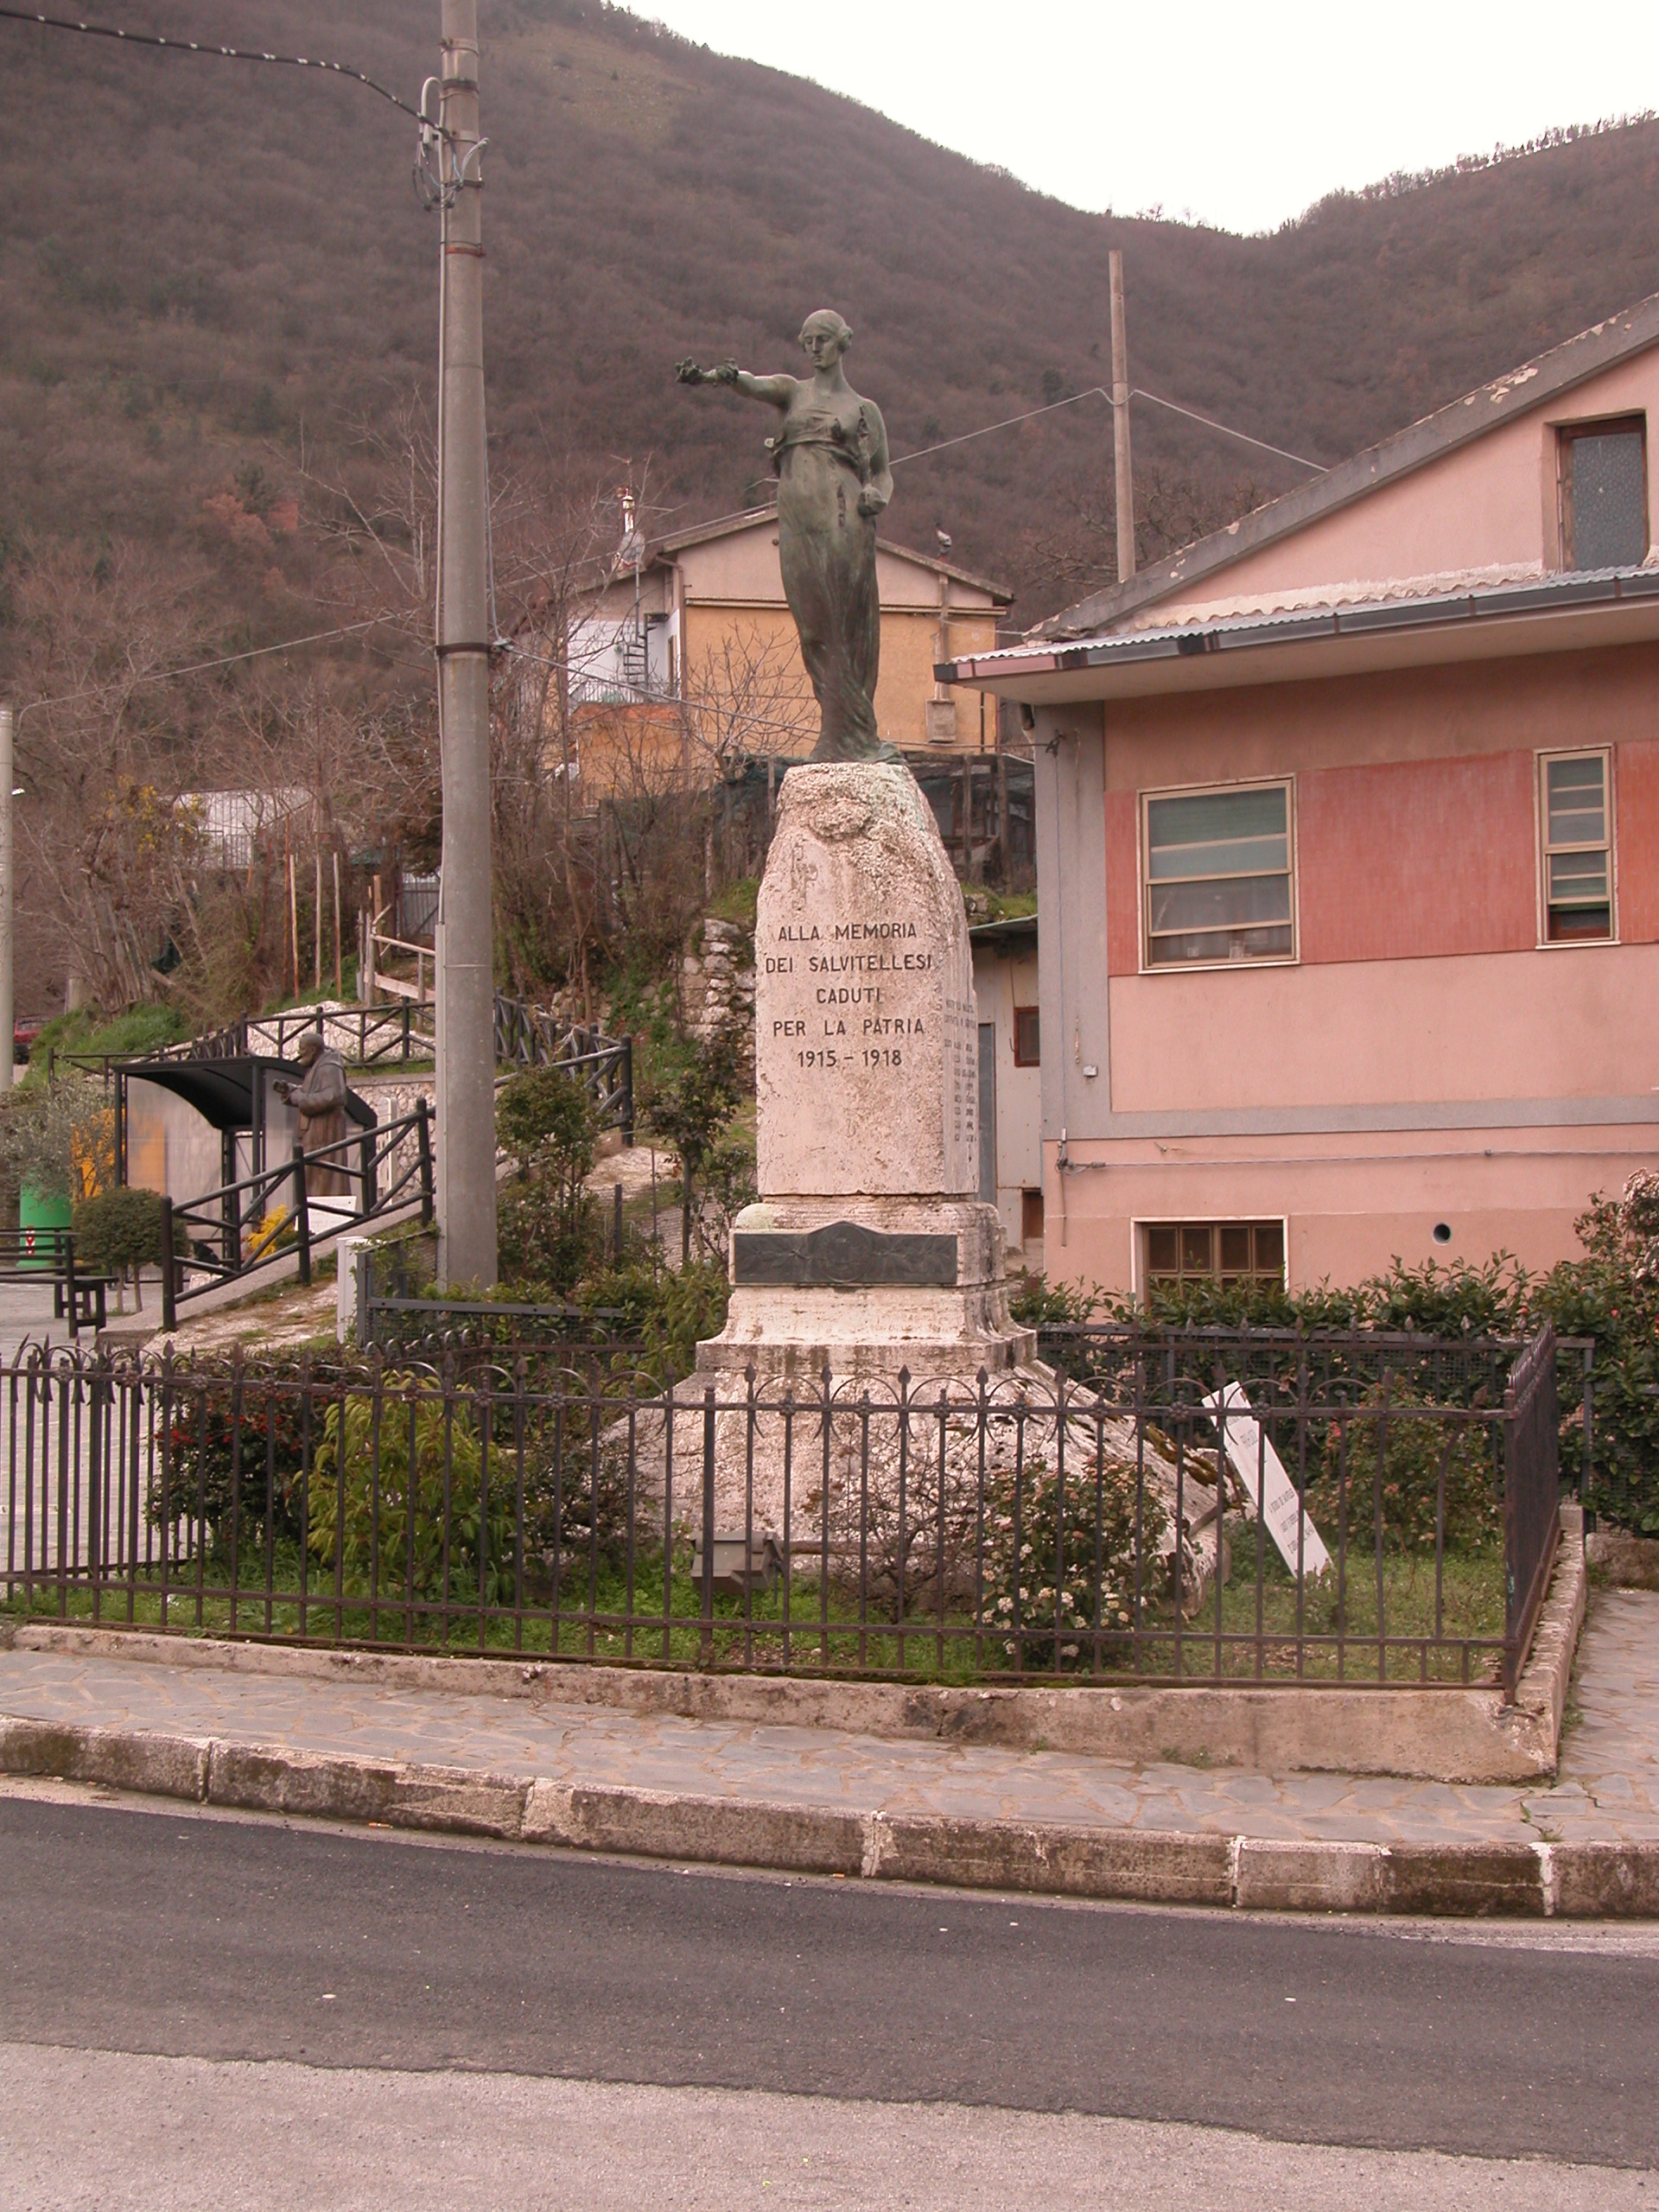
(688, 372)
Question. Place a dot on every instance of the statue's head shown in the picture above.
(825, 337)
(308, 1049)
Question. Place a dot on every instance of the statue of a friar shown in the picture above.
(833, 478)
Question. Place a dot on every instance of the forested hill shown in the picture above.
(204, 263)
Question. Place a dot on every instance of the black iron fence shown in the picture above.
(403, 1323)
(526, 1037)
(1333, 1365)
(499, 1501)
(363, 1036)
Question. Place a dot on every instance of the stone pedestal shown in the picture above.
(869, 1250)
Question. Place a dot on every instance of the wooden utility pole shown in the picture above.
(293, 907)
(466, 981)
(8, 1009)
(1124, 474)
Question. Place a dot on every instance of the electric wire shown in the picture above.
(357, 76)
(213, 53)
(1099, 392)
(202, 667)
(160, 43)
(1210, 423)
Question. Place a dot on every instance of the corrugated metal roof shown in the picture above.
(1600, 587)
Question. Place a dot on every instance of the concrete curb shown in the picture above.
(1250, 1873)
(1443, 1734)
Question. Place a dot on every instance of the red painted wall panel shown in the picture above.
(1415, 840)
(1636, 800)
(1417, 858)
(1122, 883)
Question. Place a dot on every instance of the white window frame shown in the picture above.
(1143, 862)
(1540, 760)
(1140, 1269)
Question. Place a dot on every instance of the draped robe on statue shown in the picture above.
(827, 551)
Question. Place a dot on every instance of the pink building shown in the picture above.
(1347, 845)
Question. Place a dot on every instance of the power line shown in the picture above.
(201, 667)
(1243, 436)
(1096, 392)
(194, 46)
(1099, 392)
(357, 76)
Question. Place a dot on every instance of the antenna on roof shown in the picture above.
(628, 552)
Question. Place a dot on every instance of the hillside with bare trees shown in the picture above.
(219, 331)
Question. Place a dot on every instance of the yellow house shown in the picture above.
(689, 650)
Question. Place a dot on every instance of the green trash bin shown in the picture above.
(38, 1216)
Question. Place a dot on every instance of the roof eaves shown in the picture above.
(999, 592)
(1586, 354)
(1603, 586)
(1007, 929)
(702, 533)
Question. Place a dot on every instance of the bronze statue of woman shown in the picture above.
(830, 458)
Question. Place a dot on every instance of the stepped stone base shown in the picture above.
(868, 1287)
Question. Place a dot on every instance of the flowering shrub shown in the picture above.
(269, 1233)
(1060, 1556)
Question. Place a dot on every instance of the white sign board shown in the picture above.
(1254, 1462)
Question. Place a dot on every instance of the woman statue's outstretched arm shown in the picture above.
(777, 392)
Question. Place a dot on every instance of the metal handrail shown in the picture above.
(221, 1215)
(526, 1036)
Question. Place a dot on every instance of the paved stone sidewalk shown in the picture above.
(1607, 1790)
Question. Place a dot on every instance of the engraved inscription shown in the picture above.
(859, 1008)
(866, 1046)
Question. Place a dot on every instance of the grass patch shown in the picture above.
(142, 1029)
(605, 1610)
(737, 903)
(1339, 1621)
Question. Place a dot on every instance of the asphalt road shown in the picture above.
(257, 1954)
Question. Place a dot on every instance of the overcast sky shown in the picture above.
(1238, 115)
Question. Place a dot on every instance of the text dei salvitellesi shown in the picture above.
(850, 965)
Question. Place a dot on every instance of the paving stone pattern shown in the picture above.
(1608, 1788)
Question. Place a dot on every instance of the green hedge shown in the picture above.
(1610, 1296)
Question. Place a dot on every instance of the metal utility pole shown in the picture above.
(1125, 474)
(467, 1245)
(8, 1011)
